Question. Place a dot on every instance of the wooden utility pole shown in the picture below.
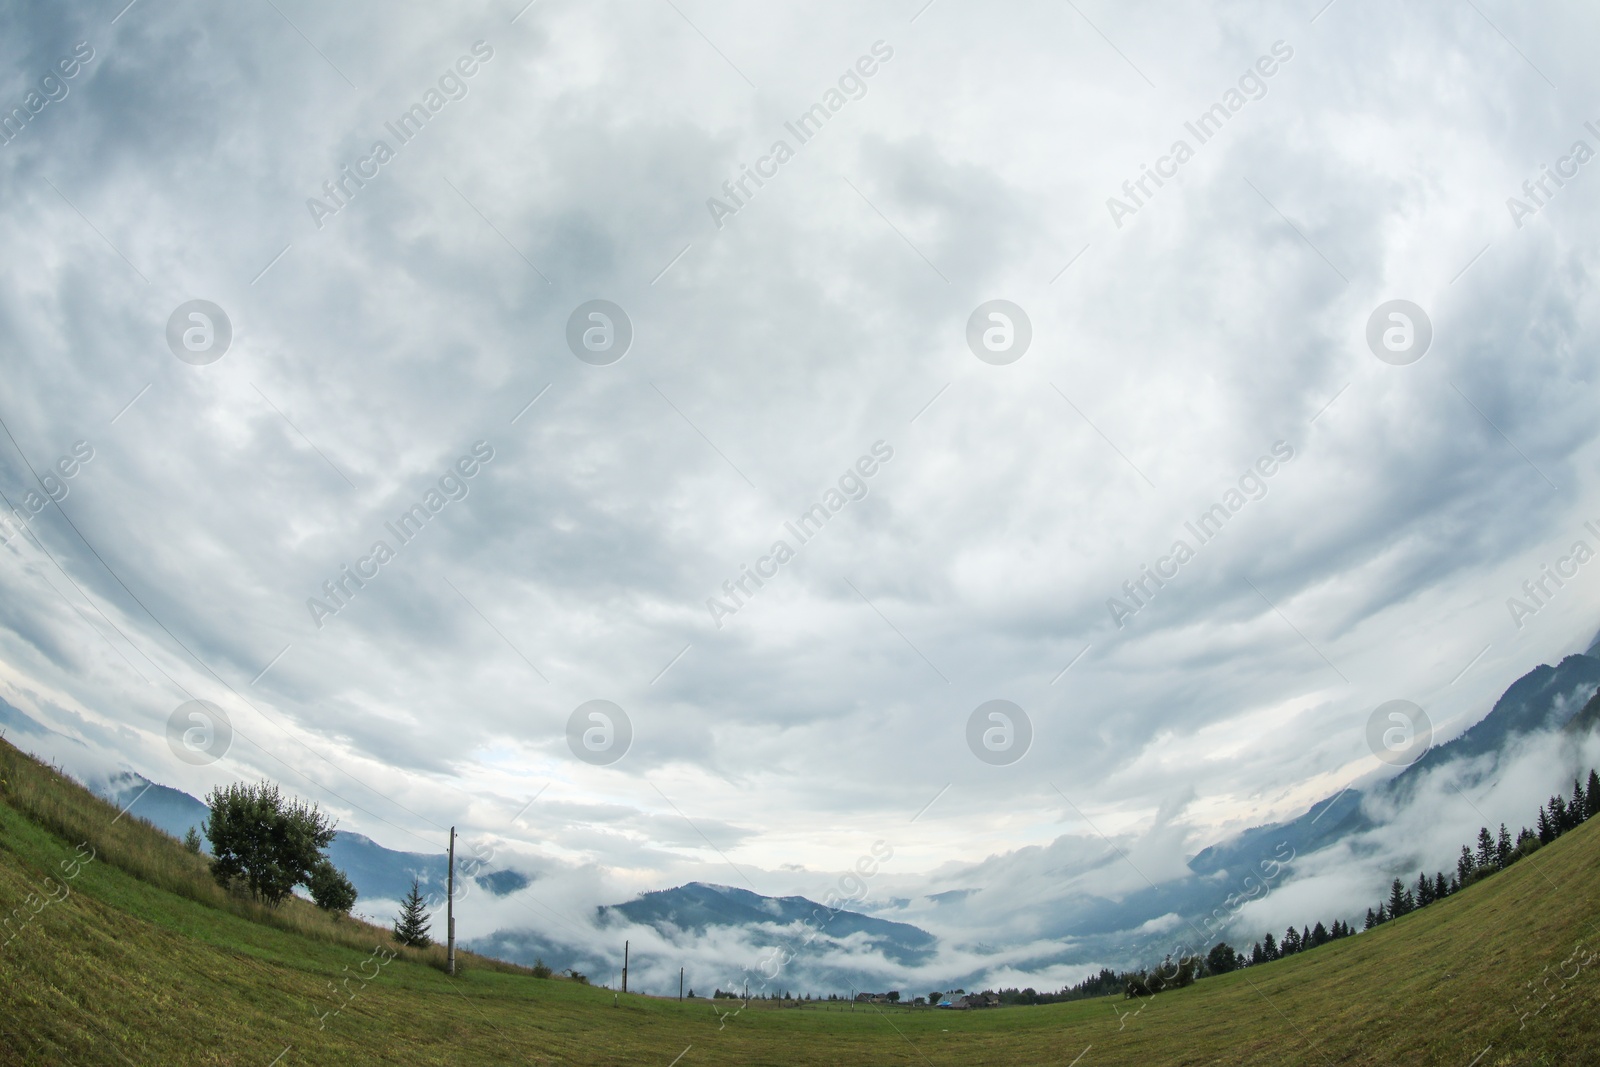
(680, 983)
(624, 966)
(450, 909)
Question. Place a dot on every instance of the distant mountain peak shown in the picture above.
(696, 907)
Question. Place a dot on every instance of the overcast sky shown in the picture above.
(1180, 335)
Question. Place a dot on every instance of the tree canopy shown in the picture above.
(266, 843)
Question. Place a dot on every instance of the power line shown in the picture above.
(211, 672)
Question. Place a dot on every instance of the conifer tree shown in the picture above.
(1372, 920)
(1319, 935)
(1502, 848)
(1269, 948)
(1383, 916)
(1464, 867)
(1291, 941)
(1485, 859)
(1547, 831)
(1558, 815)
(1440, 888)
(1397, 899)
(1424, 890)
(1591, 806)
(411, 928)
(1256, 955)
(1577, 807)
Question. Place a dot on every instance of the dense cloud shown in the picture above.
(1172, 348)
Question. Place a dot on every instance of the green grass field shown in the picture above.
(147, 962)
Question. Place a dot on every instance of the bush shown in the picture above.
(331, 890)
(263, 841)
(541, 970)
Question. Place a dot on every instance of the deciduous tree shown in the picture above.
(330, 889)
(262, 841)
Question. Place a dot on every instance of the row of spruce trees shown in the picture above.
(1493, 853)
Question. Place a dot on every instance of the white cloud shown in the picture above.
(820, 319)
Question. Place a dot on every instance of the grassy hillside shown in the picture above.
(146, 962)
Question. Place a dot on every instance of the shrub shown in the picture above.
(540, 969)
(331, 890)
(260, 839)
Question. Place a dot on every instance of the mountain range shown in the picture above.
(1074, 926)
